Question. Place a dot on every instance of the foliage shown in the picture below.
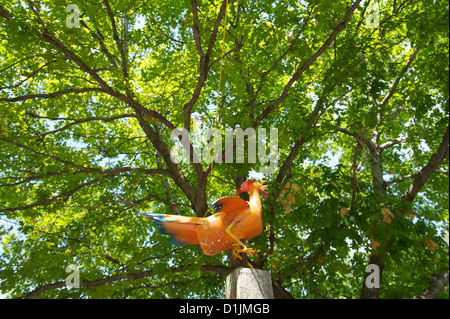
(86, 115)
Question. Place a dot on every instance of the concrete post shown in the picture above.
(246, 283)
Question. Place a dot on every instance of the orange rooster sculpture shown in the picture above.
(235, 219)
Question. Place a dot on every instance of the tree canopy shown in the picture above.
(90, 92)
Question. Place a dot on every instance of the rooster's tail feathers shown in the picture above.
(181, 229)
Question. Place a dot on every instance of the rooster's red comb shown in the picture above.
(245, 186)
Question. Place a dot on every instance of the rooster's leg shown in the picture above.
(235, 253)
(243, 249)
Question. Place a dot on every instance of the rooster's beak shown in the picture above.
(263, 186)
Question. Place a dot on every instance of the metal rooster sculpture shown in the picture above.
(235, 220)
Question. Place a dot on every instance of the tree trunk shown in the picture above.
(372, 293)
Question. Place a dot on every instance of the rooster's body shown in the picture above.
(235, 219)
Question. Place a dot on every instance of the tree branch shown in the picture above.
(355, 177)
(176, 173)
(291, 45)
(392, 143)
(42, 153)
(424, 174)
(287, 164)
(260, 262)
(196, 29)
(171, 203)
(5, 14)
(439, 283)
(80, 121)
(32, 74)
(398, 180)
(221, 270)
(104, 172)
(204, 58)
(307, 64)
(67, 195)
(117, 39)
(399, 77)
(49, 38)
(375, 159)
(100, 38)
(384, 102)
(156, 140)
(49, 95)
